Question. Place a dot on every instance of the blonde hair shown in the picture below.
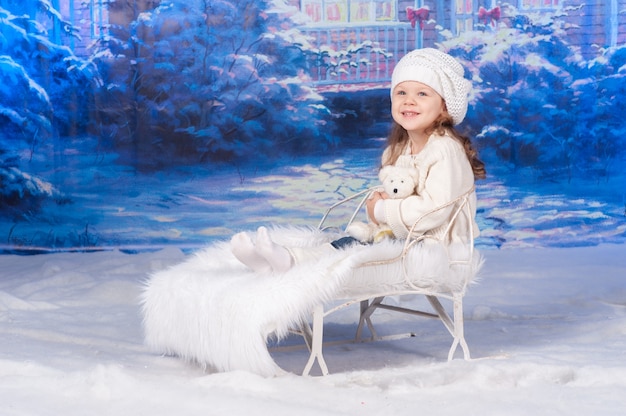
(399, 137)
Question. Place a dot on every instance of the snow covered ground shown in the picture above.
(546, 328)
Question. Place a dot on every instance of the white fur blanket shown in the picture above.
(213, 310)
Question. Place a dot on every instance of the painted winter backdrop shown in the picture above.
(199, 118)
(191, 125)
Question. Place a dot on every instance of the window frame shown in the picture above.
(350, 12)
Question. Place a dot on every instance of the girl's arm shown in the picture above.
(371, 203)
(449, 174)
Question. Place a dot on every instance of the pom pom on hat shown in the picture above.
(439, 71)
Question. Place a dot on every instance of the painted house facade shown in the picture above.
(356, 41)
(74, 23)
(368, 37)
(79, 23)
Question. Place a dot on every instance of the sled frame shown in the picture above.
(314, 333)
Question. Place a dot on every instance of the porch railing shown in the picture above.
(358, 54)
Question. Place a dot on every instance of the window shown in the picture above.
(313, 9)
(360, 11)
(464, 15)
(385, 10)
(349, 11)
(539, 4)
(98, 13)
(336, 10)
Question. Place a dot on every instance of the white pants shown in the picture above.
(304, 254)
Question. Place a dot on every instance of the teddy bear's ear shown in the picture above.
(415, 174)
(384, 172)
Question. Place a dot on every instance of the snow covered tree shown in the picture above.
(44, 92)
(209, 80)
(599, 119)
(537, 102)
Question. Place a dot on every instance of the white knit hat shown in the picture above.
(439, 71)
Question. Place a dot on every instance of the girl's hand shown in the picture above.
(371, 203)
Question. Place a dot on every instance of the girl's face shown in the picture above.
(415, 106)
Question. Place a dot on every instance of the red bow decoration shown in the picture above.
(489, 16)
(417, 15)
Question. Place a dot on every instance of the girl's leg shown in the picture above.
(264, 255)
(277, 256)
(243, 248)
(283, 258)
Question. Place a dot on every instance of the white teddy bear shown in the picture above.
(398, 183)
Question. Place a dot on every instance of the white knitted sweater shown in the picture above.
(444, 174)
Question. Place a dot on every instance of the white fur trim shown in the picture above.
(212, 310)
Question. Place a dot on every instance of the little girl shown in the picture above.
(429, 96)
